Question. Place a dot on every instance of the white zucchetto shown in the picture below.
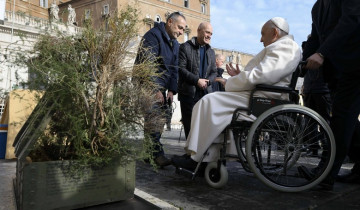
(281, 23)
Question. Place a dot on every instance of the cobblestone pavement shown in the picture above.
(243, 190)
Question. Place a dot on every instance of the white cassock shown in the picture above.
(274, 65)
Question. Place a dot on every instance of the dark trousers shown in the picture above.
(154, 130)
(344, 121)
(169, 113)
(321, 103)
(186, 106)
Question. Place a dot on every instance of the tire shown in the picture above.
(213, 177)
(291, 130)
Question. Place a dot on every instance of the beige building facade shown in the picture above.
(32, 8)
(234, 57)
(150, 11)
(31, 17)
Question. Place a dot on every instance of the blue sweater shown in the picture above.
(165, 53)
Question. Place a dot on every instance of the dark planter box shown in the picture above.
(48, 185)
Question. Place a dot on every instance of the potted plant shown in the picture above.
(79, 145)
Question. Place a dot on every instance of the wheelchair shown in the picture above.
(277, 143)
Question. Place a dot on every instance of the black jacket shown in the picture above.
(217, 86)
(189, 62)
(336, 34)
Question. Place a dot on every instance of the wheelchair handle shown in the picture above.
(302, 71)
(302, 63)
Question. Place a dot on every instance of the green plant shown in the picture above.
(97, 107)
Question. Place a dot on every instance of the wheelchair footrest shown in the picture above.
(186, 172)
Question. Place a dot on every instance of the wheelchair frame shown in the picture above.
(273, 147)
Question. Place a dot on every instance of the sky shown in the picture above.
(237, 23)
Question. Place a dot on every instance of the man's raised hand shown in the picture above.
(231, 70)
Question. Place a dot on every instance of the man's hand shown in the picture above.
(202, 83)
(170, 96)
(159, 97)
(231, 70)
(221, 80)
(314, 62)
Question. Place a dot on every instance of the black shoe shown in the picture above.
(327, 184)
(162, 161)
(184, 162)
(185, 156)
(349, 178)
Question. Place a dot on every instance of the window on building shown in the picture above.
(106, 9)
(186, 3)
(158, 18)
(44, 3)
(186, 36)
(203, 8)
(87, 14)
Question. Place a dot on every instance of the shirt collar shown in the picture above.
(167, 35)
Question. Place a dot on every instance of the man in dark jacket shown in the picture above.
(219, 61)
(160, 42)
(334, 45)
(197, 71)
(316, 96)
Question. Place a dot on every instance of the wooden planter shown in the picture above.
(48, 185)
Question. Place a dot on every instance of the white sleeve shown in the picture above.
(280, 60)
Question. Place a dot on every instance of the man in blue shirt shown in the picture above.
(161, 45)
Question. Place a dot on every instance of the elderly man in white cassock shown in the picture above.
(273, 65)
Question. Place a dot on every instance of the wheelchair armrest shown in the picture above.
(273, 88)
(236, 113)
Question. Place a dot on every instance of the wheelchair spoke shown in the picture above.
(280, 142)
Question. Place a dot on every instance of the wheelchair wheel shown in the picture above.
(278, 143)
(214, 177)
